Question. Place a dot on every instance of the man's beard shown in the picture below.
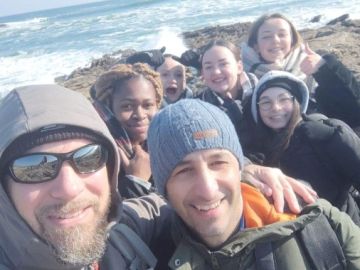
(81, 244)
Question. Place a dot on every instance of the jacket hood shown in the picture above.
(298, 89)
(26, 110)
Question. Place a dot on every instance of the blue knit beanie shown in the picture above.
(184, 127)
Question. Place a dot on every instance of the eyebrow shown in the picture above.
(282, 94)
(183, 163)
(269, 31)
(220, 60)
(133, 100)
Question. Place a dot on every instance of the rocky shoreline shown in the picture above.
(340, 37)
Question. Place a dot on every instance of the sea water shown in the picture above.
(39, 46)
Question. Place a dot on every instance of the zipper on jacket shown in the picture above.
(214, 262)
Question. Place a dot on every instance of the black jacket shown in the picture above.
(327, 155)
(338, 92)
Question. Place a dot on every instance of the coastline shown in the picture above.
(340, 37)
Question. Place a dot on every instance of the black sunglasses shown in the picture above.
(41, 167)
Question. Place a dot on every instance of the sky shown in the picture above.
(11, 7)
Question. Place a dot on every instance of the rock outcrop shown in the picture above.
(340, 37)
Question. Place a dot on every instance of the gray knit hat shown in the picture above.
(283, 79)
(184, 127)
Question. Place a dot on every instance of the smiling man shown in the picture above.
(221, 223)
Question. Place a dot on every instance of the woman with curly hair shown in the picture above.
(127, 97)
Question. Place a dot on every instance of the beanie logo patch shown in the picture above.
(205, 134)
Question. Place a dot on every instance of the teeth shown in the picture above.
(73, 215)
(207, 207)
(275, 50)
(219, 80)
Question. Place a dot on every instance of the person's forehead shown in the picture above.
(170, 64)
(134, 87)
(274, 91)
(218, 52)
(278, 23)
(208, 154)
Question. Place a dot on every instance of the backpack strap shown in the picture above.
(322, 245)
(132, 247)
(319, 243)
(264, 256)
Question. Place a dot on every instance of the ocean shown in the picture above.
(39, 46)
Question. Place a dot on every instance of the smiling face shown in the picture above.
(70, 211)
(274, 40)
(172, 75)
(281, 107)
(134, 105)
(205, 191)
(221, 70)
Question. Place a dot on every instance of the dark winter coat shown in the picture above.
(326, 154)
(338, 92)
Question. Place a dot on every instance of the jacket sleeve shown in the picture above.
(343, 149)
(347, 233)
(149, 216)
(338, 92)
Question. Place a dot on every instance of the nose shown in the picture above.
(216, 70)
(207, 185)
(68, 184)
(275, 105)
(276, 38)
(172, 78)
(139, 113)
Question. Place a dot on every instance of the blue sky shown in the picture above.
(10, 7)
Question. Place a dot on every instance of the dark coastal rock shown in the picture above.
(234, 33)
(340, 38)
(81, 79)
(342, 18)
(2, 25)
(316, 19)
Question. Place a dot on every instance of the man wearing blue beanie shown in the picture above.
(221, 223)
